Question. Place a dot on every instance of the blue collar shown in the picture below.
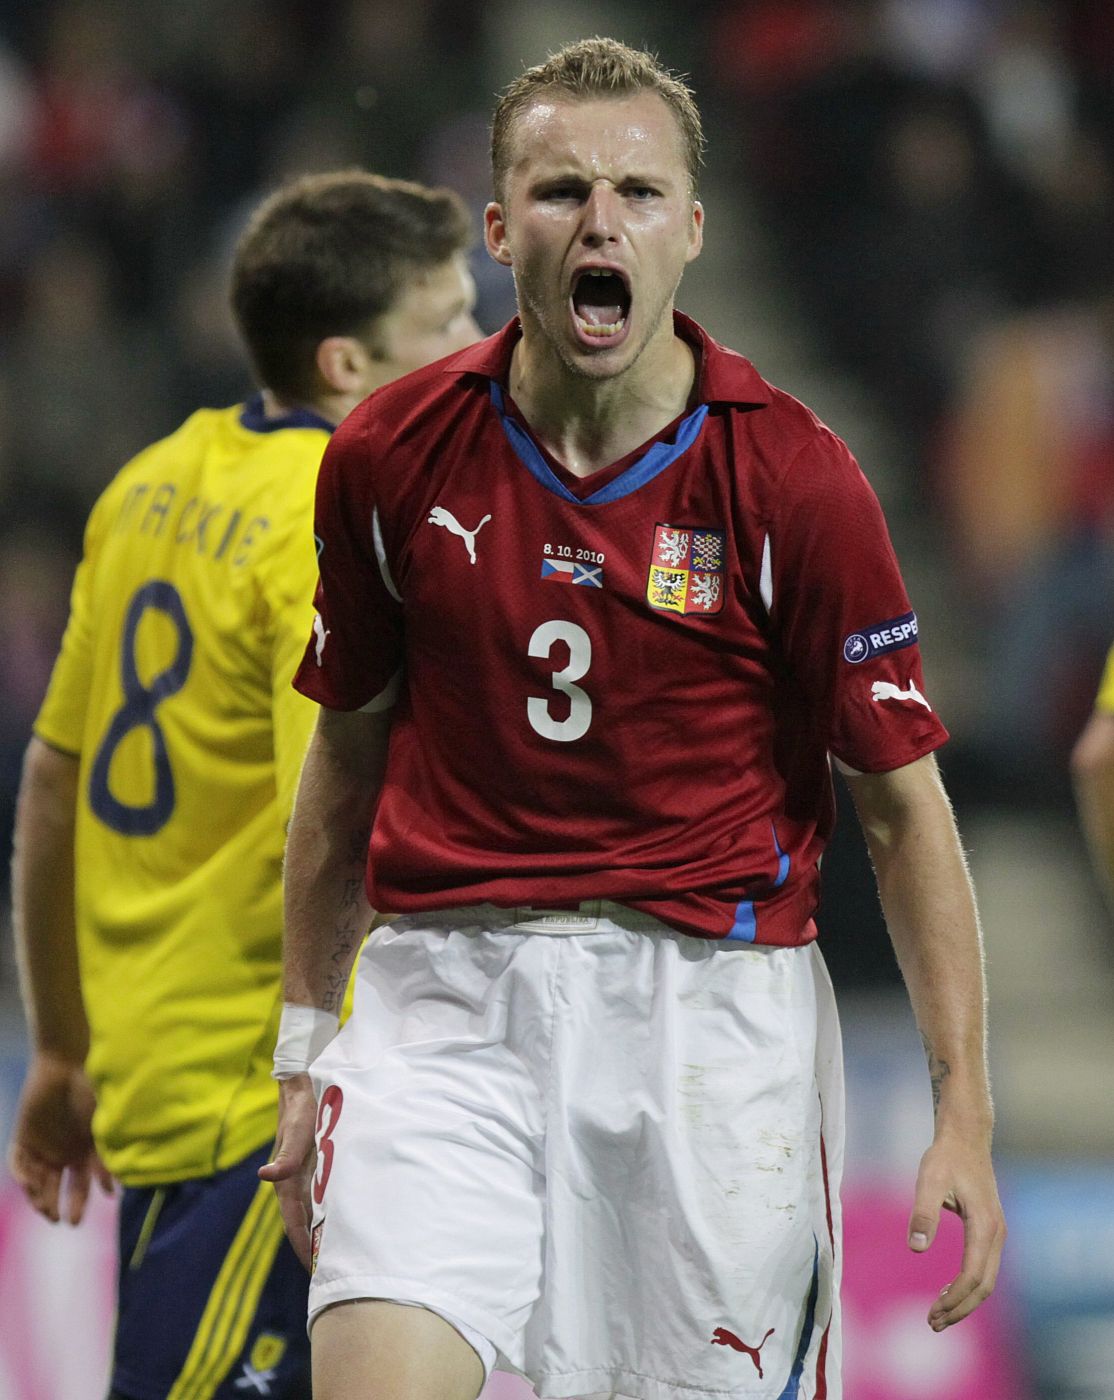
(254, 419)
(653, 461)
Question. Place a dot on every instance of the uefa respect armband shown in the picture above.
(882, 637)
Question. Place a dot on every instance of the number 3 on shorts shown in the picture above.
(575, 726)
(328, 1112)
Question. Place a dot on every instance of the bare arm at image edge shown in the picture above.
(327, 915)
(1092, 771)
(52, 1152)
(930, 912)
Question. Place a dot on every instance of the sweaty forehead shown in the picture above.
(611, 136)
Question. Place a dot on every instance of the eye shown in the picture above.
(642, 192)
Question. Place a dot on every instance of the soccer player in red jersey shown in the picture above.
(598, 607)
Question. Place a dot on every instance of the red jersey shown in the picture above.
(625, 687)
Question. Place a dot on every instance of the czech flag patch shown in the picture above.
(567, 571)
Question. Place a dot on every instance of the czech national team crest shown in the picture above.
(686, 570)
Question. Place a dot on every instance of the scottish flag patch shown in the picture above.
(568, 571)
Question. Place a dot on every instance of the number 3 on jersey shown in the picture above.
(575, 726)
(139, 712)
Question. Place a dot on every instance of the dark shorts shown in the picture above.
(212, 1299)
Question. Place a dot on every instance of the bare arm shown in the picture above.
(52, 1142)
(327, 916)
(930, 912)
(327, 913)
(43, 903)
(1092, 769)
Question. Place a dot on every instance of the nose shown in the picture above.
(600, 219)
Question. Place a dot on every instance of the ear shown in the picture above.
(696, 232)
(342, 363)
(495, 234)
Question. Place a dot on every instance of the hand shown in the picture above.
(52, 1152)
(958, 1176)
(292, 1166)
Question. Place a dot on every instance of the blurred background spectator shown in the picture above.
(911, 206)
(939, 178)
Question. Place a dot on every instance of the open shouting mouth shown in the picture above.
(601, 303)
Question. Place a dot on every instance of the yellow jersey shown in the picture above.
(190, 611)
(1105, 701)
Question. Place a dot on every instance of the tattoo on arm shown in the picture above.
(938, 1071)
(348, 928)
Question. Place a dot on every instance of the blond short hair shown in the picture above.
(591, 69)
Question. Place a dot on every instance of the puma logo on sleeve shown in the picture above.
(885, 690)
(320, 631)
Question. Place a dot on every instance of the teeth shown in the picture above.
(613, 329)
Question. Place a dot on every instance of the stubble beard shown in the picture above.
(586, 366)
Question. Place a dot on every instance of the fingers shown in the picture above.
(45, 1196)
(294, 1142)
(293, 1199)
(78, 1181)
(283, 1166)
(291, 1183)
(293, 1155)
(39, 1181)
(925, 1220)
(292, 1164)
(52, 1142)
(104, 1176)
(984, 1235)
(45, 1184)
(954, 1178)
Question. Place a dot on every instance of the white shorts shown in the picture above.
(610, 1158)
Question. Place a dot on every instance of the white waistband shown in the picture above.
(591, 916)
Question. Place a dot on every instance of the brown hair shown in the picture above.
(328, 255)
(594, 68)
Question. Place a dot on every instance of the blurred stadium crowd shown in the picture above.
(935, 177)
(939, 177)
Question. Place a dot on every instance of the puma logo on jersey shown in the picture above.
(320, 632)
(440, 516)
(723, 1338)
(884, 690)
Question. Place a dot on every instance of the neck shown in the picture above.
(332, 407)
(589, 423)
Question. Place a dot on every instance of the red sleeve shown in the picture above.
(842, 613)
(353, 658)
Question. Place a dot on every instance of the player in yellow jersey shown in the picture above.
(1092, 764)
(160, 778)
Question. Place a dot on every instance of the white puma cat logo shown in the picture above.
(440, 516)
(883, 690)
(320, 632)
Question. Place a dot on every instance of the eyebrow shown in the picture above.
(570, 177)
